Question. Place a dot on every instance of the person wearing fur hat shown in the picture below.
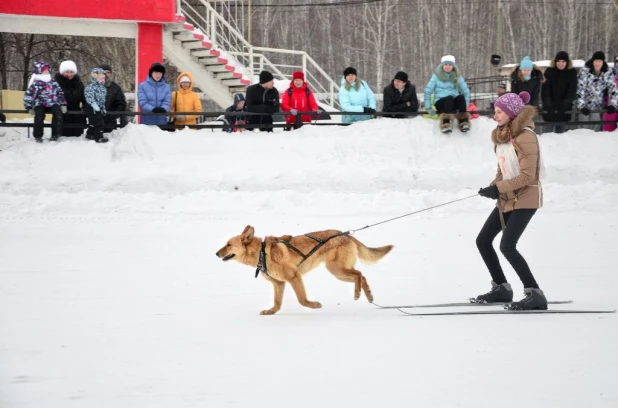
(594, 81)
(95, 94)
(298, 98)
(237, 107)
(185, 100)
(262, 98)
(400, 96)
(527, 77)
(451, 95)
(73, 89)
(355, 96)
(558, 92)
(517, 189)
(154, 95)
(115, 101)
(611, 117)
(44, 95)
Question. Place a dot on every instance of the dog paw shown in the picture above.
(268, 312)
(370, 297)
(356, 296)
(315, 305)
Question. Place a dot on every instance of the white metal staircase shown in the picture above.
(223, 62)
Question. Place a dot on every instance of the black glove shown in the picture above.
(369, 110)
(585, 111)
(490, 192)
(159, 110)
(611, 109)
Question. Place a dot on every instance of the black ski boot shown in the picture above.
(534, 300)
(498, 293)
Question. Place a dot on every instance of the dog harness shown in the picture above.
(261, 266)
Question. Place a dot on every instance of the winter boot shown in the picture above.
(38, 139)
(498, 293)
(464, 121)
(102, 139)
(534, 300)
(445, 122)
(54, 138)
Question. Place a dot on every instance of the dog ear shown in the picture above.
(247, 234)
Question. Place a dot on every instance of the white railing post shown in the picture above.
(251, 63)
(213, 28)
(304, 64)
(178, 7)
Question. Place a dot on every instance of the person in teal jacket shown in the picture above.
(451, 95)
(355, 96)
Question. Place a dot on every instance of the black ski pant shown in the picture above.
(451, 105)
(39, 120)
(95, 123)
(516, 222)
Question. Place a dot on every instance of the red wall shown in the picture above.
(126, 10)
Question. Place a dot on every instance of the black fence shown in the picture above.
(279, 119)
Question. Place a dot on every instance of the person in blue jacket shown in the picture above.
(154, 95)
(355, 96)
(450, 94)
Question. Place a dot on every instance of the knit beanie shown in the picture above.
(67, 66)
(348, 71)
(266, 76)
(238, 98)
(298, 75)
(512, 104)
(185, 78)
(599, 55)
(526, 63)
(40, 66)
(562, 56)
(106, 67)
(448, 59)
(402, 76)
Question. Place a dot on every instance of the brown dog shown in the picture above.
(286, 259)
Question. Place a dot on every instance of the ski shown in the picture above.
(458, 304)
(503, 311)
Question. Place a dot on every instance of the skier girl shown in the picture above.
(518, 190)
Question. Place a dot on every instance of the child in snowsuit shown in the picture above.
(44, 95)
(95, 94)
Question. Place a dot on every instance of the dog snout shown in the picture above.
(217, 254)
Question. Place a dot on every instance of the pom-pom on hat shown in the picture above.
(512, 104)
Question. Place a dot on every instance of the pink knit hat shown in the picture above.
(512, 104)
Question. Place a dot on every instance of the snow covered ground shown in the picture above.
(111, 294)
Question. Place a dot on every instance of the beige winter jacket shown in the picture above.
(523, 191)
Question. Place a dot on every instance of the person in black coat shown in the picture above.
(262, 98)
(400, 96)
(114, 101)
(527, 78)
(559, 91)
(73, 89)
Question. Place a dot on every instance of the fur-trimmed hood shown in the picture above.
(515, 126)
(569, 65)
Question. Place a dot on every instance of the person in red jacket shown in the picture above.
(298, 98)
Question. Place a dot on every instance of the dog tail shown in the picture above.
(367, 254)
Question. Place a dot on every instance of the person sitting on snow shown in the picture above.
(451, 95)
(400, 96)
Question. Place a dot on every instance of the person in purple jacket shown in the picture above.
(44, 95)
